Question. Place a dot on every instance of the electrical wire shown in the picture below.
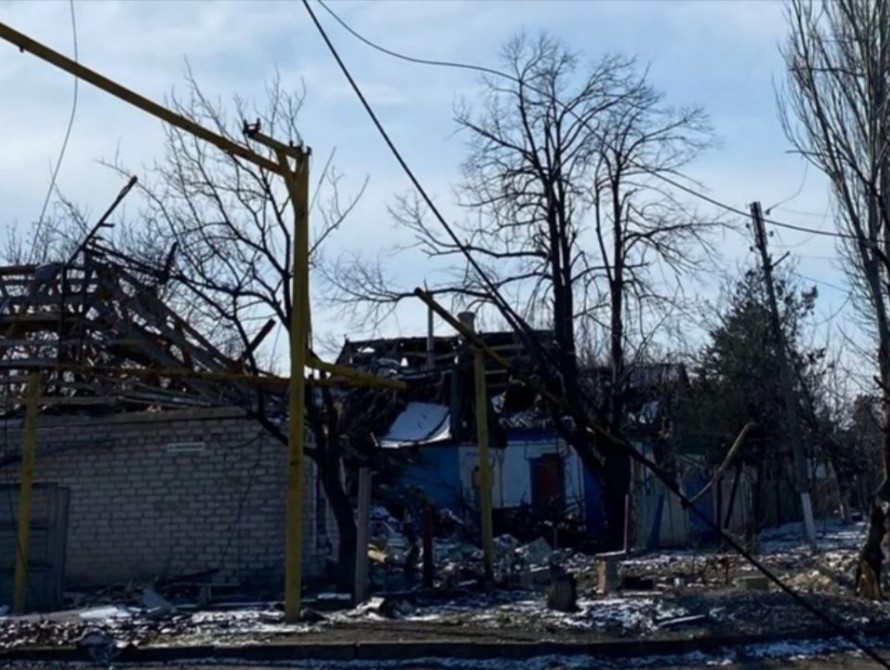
(55, 175)
(498, 73)
(803, 182)
(823, 283)
(507, 311)
(614, 440)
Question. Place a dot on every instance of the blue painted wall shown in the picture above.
(694, 482)
(438, 474)
(594, 509)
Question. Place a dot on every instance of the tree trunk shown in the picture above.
(618, 471)
(344, 516)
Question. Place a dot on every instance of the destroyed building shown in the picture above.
(140, 474)
(533, 468)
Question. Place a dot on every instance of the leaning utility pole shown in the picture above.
(801, 475)
(296, 178)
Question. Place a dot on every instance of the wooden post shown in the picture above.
(25, 495)
(298, 188)
(429, 567)
(363, 523)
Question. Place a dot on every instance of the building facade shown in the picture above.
(167, 493)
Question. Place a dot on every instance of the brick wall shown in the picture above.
(141, 507)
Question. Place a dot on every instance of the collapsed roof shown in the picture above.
(102, 339)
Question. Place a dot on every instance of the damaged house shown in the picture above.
(538, 480)
(139, 474)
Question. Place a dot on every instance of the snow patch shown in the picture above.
(419, 423)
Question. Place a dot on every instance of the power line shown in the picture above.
(823, 283)
(629, 449)
(498, 73)
(509, 313)
(55, 175)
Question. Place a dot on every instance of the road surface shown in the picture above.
(837, 662)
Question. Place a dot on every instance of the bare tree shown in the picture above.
(564, 213)
(836, 112)
(218, 232)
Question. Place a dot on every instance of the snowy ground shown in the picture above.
(685, 602)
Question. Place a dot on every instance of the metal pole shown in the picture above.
(485, 478)
(801, 475)
(25, 495)
(25, 43)
(298, 189)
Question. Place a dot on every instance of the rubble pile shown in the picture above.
(536, 590)
(125, 627)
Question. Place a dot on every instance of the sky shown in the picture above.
(723, 56)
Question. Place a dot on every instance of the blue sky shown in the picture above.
(722, 55)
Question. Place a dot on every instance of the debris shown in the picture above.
(157, 605)
(101, 646)
(535, 553)
(389, 608)
(105, 613)
(532, 577)
(682, 621)
(448, 515)
(753, 583)
(607, 576)
(377, 555)
(307, 615)
(563, 594)
(635, 583)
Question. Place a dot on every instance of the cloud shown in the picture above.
(722, 55)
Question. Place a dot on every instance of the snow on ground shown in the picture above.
(107, 613)
(831, 535)
(834, 540)
(617, 615)
(716, 606)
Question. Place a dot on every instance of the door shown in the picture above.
(547, 490)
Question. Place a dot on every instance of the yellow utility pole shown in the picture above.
(297, 182)
(485, 478)
(25, 495)
(298, 189)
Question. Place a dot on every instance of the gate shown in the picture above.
(47, 545)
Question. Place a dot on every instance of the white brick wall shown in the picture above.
(138, 511)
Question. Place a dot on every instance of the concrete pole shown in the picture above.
(801, 474)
